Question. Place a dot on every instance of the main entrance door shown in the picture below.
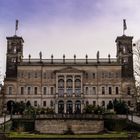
(61, 107)
(69, 107)
(78, 107)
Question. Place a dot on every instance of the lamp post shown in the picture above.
(11, 110)
(132, 110)
(4, 113)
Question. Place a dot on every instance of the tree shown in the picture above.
(89, 109)
(110, 105)
(120, 107)
(136, 54)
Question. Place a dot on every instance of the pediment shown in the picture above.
(69, 70)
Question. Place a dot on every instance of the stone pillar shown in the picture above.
(64, 106)
(56, 107)
(73, 103)
(56, 83)
(82, 84)
(73, 86)
(65, 82)
(82, 105)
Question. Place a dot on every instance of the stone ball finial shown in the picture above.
(109, 58)
(40, 54)
(29, 58)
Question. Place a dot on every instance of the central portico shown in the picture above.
(69, 91)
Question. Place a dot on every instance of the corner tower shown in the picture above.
(14, 55)
(125, 55)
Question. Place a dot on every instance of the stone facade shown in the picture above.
(56, 126)
(67, 85)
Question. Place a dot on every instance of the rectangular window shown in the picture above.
(36, 75)
(51, 90)
(21, 74)
(94, 90)
(129, 103)
(35, 103)
(35, 90)
(87, 103)
(94, 103)
(103, 75)
(86, 90)
(44, 90)
(45, 75)
(128, 90)
(110, 90)
(110, 75)
(29, 90)
(29, 75)
(21, 90)
(103, 103)
(52, 75)
(117, 90)
(103, 90)
(86, 75)
(93, 75)
(117, 74)
(44, 103)
(10, 90)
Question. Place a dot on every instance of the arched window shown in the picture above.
(77, 83)
(69, 107)
(61, 106)
(21, 90)
(61, 87)
(61, 83)
(44, 90)
(69, 87)
(10, 90)
(78, 106)
(77, 87)
(28, 90)
(51, 103)
(35, 90)
(69, 83)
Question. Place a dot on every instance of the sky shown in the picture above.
(67, 26)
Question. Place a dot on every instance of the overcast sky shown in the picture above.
(68, 26)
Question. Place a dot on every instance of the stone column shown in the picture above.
(56, 83)
(56, 107)
(73, 86)
(73, 103)
(82, 84)
(82, 105)
(64, 106)
(65, 82)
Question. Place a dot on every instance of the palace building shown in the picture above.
(67, 85)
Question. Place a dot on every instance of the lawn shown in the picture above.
(105, 135)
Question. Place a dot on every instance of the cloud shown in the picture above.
(68, 26)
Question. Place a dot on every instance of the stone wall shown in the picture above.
(62, 126)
